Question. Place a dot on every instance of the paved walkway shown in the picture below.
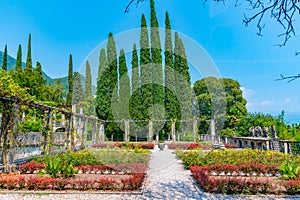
(166, 179)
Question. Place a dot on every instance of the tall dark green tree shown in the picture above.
(135, 83)
(135, 100)
(4, 61)
(108, 90)
(156, 63)
(182, 81)
(145, 70)
(124, 90)
(70, 81)
(102, 93)
(88, 81)
(38, 81)
(102, 63)
(19, 59)
(29, 59)
(78, 95)
(171, 104)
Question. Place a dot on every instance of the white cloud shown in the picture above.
(266, 103)
(250, 104)
(247, 92)
(287, 100)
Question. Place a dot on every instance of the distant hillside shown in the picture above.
(11, 63)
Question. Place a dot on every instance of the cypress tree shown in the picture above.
(102, 63)
(88, 81)
(102, 92)
(4, 61)
(135, 83)
(156, 63)
(38, 81)
(171, 104)
(135, 100)
(182, 78)
(112, 128)
(29, 60)
(78, 95)
(124, 91)
(70, 81)
(145, 70)
(19, 59)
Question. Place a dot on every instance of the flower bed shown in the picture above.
(34, 182)
(235, 157)
(243, 185)
(188, 146)
(124, 145)
(246, 169)
(108, 169)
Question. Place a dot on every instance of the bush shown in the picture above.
(231, 156)
(31, 167)
(290, 170)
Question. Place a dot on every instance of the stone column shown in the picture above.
(84, 132)
(63, 119)
(195, 129)
(127, 130)
(94, 132)
(212, 127)
(101, 132)
(49, 134)
(173, 131)
(150, 134)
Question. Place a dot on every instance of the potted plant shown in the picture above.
(161, 145)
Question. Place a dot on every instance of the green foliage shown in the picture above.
(212, 95)
(234, 157)
(9, 88)
(116, 157)
(187, 137)
(29, 59)
(70, 81)
(78, 94)
(88, 81)
(191, 158)
(31, 125)
(83, 157)
(182, 80)
(172, 106)
(102, 93)
(135, 102)
(290, 169)
(19, 59)
(156, 66)
(145, 70)
(4, 61)
(124, 90)
(53, 166)
(179, 153)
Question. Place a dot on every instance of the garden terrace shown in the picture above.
(244, 171)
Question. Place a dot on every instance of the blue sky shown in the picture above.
(59, 28)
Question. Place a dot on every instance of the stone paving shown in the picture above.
(166, 179)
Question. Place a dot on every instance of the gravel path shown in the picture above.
(166, 179)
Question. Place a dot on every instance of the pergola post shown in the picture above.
(94, 132)
(127, 130)
(101, 132)
(195, 129)
(150, 133)
(173, 130)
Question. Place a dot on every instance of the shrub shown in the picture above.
(30, 167)
(290, 170)
(231, 185)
